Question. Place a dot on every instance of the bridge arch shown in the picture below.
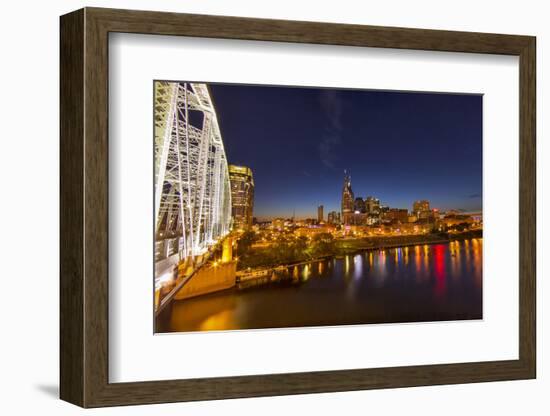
(192, 189)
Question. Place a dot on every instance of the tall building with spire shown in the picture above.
(348, 200)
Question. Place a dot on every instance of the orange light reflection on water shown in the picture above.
(221, 320)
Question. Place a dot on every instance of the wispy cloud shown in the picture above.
(326, 151)
(332, 105)
(473, 196)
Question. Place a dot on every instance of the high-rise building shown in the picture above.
(359, 205)
(372, 205)
(333, 217)
(320, 213)
(421, 208)
(347, 200)
(242, 196)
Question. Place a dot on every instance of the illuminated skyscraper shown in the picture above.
(422, 205)
(422, 209)
(347, 200)
(359, 205)
(320, 213)
(372, 205)
(242, 196)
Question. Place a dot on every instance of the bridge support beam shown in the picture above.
(227, 250)
(208, 279)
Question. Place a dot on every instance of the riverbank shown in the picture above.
(352, 246)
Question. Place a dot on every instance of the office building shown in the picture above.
(242, 196)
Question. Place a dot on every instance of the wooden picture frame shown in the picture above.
(84, 207)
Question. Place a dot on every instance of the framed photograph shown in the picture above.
(260, 207)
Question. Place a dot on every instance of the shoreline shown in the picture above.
(351, 251)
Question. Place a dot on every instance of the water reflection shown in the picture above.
(440, 274)
(358, 266)
(420, 283)
(306, 272)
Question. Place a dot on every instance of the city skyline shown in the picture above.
(364, 198)
(397, 146)
(373, 246)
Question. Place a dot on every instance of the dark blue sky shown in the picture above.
(398, 147)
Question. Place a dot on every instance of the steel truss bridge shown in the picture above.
(192, 190)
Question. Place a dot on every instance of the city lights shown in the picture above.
(251, 238)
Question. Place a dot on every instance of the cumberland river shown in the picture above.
(410, 284)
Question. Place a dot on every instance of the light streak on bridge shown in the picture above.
(192, 189)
